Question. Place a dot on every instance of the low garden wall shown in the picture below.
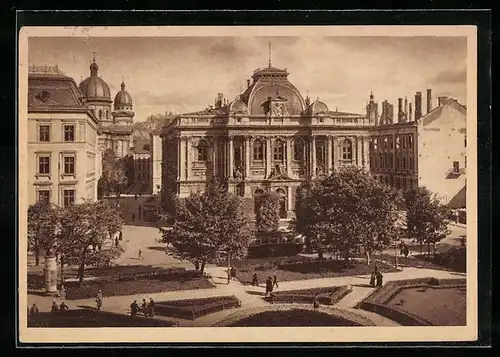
(377, 302)
(195, 308)
(326, 296)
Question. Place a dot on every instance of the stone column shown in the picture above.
(289, 201)
(328, 155)
(189, 158)
(50, 274)
(289, 157)
(247, 157)
(268, 157)
(335, 143)
(231, 158)
(359, 150)
(313, 156)
(182, 159)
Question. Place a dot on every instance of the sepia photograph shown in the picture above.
(247, 184)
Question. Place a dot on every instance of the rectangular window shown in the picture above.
(44, 196)
(258, 150)
(69, 132)
(465, 140)
(456, 167)
(68, 197)
(44, 133)
(465, 161)
(69, 165)
(278, 152)
(44, 165)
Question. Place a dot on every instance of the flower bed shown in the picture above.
(326, 296)
(195, 308)
(92, 318)
(421, 313)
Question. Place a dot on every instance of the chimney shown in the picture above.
(441, 100)
(429, 100)
(410, 113)
(418, 105)
(220, 100)
(248, 83)
(406, 108)
(400, 110)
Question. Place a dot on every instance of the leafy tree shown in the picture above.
(347, 211)
(267, 212)
(426, 217)
(207, 224)
(113, 172)
(86, 235)
(42, 227)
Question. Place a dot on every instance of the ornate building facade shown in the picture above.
(268, 138)
(115, 117)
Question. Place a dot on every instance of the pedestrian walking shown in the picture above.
(316, 301)
(255, 280)
(151, 307)
(133, 217)
(134, 308)
(98, 300)
(62, 292)
(269, 286)
(275, 281)
(144, 307)
(233, 273)
(63, 307)
(140, 254)
(54, 308)
(34, 310)
(379, 278)
(373, 276)
(406, 251)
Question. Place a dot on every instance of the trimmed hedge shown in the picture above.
(326, 296)
(92, 318)
(195, 308)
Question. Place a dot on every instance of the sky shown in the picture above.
(184, 74)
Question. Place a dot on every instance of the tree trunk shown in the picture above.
(197, 265)
(202, 268)
(346, 257)
(428, 249)
(421, 248)
(367, 257)
(37, 253)
(62, 270)
(320, 254)
(81, 268)
(434, 250)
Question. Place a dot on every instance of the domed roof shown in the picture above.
(94, 87)
(283, 89)
(318, 107)
(123, 97)
(238, 106)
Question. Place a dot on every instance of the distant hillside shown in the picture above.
(153, 122)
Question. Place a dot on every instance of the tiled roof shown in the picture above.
(344, 114)
(52, 91)
(436, 112)
(209, 111)
(118, 129)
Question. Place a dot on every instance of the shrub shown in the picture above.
(433, 281)
(195, 308)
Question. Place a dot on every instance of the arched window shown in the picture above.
(375, 144)
(278, 150)
(410, 141)
(347, 150)
(298, 150)
(385, 143)
(397, 142)
(202, 151)
(258, 150)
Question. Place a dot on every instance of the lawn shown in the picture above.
(126, 280)
(449, 259)
(296, 317)
(300, 268)
(448, 307)
(92, 318)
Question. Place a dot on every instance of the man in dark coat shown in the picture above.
(379, 278)
(134, 308)
(151, 307)
(255, 280)
(316, 301)
(54, 308)
(34, 310)
(144, 307)
(269, 286)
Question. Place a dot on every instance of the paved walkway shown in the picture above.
(145, 239)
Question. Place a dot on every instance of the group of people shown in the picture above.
(403, 250)
(33, 310)
(376, 277)
(148, 309)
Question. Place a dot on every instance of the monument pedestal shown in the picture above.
(50, 275)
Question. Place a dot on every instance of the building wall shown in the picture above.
(84, 150)
(441, 142)
(156, 162)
